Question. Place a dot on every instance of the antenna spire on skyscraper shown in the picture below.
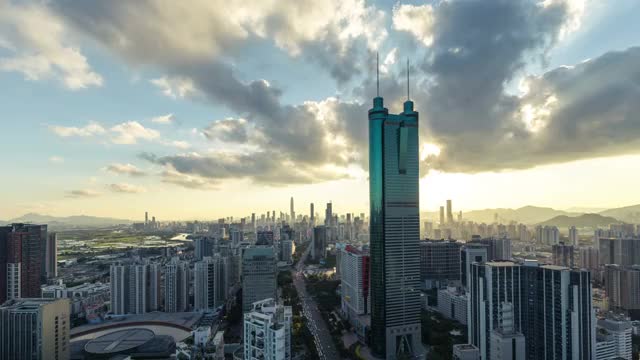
(377, 74)
(408, 79)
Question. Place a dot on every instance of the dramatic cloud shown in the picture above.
(268, 168)
(126, 188)
(163, 119)
(82, 193)
(417, 20)
(569, 113)
(37, 49)
(471, 118)
(172, 176)
(132, 131)
(125, 169)
(327, 32)
(227, 130)
(479, 48)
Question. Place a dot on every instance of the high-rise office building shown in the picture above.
(293, 212)
(319, 242)
(259, 275)
(210, 283)
(551, 306)
(354, 276)
(441, 217)
(286, 251)
(35, 329)
(469, 254)
(573, 236)
(439, 263)
(563, 255)
(394, 231)
(328, 214)
(236, 236)
(312, 215)
(264, 237)
(506, 342)
(203, 246)
(449, 213)
(490, 284)
(497, 248)
(267, 331)
(176, 286)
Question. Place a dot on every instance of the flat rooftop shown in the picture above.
(185, 320)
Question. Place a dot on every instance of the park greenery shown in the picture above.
(440, 334)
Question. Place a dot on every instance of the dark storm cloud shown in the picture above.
(577, 112)
(478, 46)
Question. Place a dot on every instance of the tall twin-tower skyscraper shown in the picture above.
(394, 232)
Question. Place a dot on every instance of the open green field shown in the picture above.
(74, 242)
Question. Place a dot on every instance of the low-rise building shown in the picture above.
(86, 299)
(452, 304)
(465, 352)
(614, 339)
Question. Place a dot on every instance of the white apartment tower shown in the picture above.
(176, 286)
(267, 331)
(210, 283)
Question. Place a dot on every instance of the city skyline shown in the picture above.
(131, 115)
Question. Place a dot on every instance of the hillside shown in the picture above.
(69, 221)
(630, 214)
(582, 221)
(526, 214)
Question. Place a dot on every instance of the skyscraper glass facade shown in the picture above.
(394, 231)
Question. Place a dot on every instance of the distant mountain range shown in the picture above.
(535, 215)
(67, 221)
(629, 214)
(581, 221)
(526, 215)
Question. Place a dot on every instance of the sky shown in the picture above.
(204, 109)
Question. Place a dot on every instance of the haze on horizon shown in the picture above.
(219, 109)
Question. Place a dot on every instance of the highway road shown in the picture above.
(315, 322)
